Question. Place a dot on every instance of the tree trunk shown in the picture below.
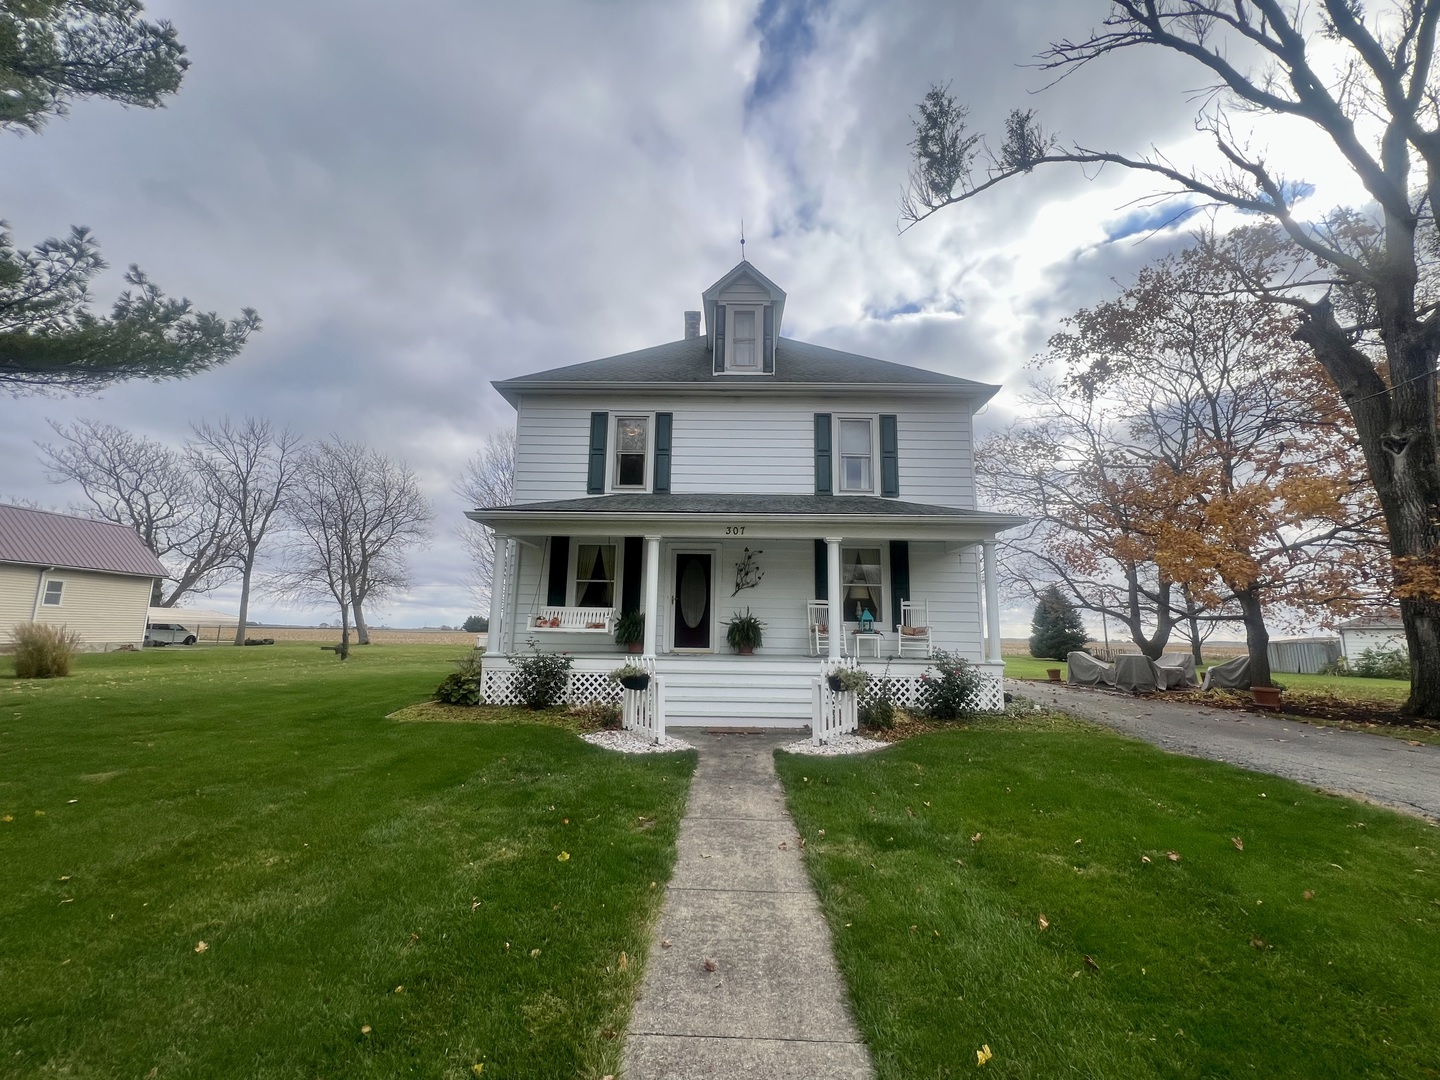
(243, 623)
(362, 632)
(344, 652)
(1193, 620)
(1257, 638)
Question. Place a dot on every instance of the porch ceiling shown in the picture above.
(761, 516)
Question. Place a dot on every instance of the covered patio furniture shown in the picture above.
(1137, 673)
(1231, 675)
(1085, 670)
(1178, 670)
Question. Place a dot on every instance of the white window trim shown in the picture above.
(759, 368)
(881, 617)
(572, 584)
(613, 451)
(45, 593)
(838, 457)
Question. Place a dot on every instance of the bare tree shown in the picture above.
(1364, 296)
(250, 467)
(488, 479)
(146, 486)
(354, 512)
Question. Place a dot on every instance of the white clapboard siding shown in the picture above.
(17, 596)
(950, 581)
(736, 445)
(744, 290)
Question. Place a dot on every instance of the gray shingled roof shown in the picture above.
(688, 361)
(43, 538)
(754, 505)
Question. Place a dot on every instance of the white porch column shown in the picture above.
(499, 571)
(832, 590)
(992, 602)
(652, 593)
(508, 598)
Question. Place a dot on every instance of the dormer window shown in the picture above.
(744, 339)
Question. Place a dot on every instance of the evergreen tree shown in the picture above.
(1056, 629)
(476, 624)
(53, 52)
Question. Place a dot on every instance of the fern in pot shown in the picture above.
(630, 631)
(631, 676)
(744, 633)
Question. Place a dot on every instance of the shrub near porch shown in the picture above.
(936, 859)
(344, 871)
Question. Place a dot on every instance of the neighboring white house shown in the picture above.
(1371, 632)
(734, 470)
(91, 576)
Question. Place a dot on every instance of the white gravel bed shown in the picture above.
(839, 744)
(630, 742)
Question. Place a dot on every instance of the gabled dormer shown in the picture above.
(742, 321)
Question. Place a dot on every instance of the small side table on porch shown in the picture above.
(873, 638)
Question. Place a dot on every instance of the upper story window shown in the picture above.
(857, 454)
(54, 590)
(632, 445)
(744, 339)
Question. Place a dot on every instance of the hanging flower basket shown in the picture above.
(835, 684)
(635, 682)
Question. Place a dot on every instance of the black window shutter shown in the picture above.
(719, 338)
(822, 454)
(822, 570)
(899, 577)
(664, 421)
(631, 574)
(595, 479)
(559, 571)
(889, 458)
(768, 361)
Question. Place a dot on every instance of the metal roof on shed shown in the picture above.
(45, 538)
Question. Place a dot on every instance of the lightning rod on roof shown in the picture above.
(742, 239)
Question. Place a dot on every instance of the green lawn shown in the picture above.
(1388, 691)
(466, 892)
(936, 858)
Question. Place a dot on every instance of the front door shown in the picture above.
(692, 600)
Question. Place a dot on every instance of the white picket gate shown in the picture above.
(834, 712)
(643, 711)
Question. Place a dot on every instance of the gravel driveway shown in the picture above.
(1375, 768)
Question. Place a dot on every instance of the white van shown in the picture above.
(164, 633)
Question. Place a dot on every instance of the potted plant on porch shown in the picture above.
(744, 633)
(631, 676)
(630, 631)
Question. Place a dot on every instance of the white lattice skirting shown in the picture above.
(907, 693)
(581, 688)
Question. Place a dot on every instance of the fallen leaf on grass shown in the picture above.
(400, 989)
(8, 818)
(1144, 858)
(1044, 922)
(709, 965)
(534, 953)
(977, 838)
(1258, 943)
(478, 1068)
(1080, 840)
(624, 961)
(202, 946)
(1090, 963)
(1239, 844)
(983, 1055)
(564, 856)
(1308, 894)
(1173, 856)
(365, 1029)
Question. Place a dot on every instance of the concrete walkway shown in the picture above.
(774, 1006)
(1375, 768)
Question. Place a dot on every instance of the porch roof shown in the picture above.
(763, 515)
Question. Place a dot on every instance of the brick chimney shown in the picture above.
(692, 324)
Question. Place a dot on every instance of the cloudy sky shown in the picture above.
(421, 198)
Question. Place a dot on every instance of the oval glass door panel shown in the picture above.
(694, 590)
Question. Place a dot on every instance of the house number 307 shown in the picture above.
(734, 530)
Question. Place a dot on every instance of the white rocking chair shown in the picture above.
(915, 628)
(818, 616)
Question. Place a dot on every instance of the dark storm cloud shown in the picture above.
(422, 198)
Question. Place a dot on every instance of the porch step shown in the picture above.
(745, 690)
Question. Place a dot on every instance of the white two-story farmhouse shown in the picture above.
(831, 495)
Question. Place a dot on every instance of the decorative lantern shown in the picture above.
(867, 621)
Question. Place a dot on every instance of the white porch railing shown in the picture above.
(643, 711)
(574, 620)
(834, 712)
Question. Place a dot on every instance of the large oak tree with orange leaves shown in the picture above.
(1362, 81)
(1213, 451)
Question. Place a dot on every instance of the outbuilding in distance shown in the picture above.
(1377, 632)
(93, 577)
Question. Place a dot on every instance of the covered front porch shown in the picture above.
(908, 579)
